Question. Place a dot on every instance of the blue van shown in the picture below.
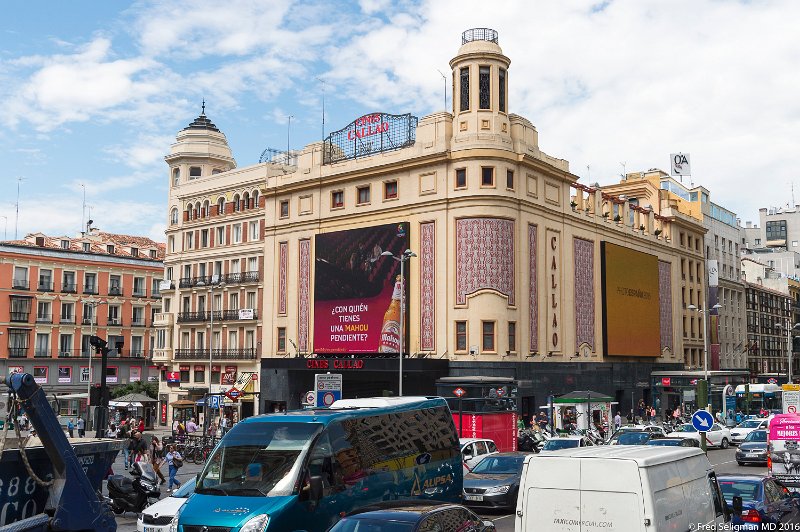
(302, 470)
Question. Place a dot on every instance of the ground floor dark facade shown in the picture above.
(285, 381)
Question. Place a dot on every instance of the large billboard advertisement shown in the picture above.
(357, 290)
(631, 318)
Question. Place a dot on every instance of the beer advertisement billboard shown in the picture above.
(357, 290)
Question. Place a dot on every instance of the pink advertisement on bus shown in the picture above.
(783, 460)
(357, 290)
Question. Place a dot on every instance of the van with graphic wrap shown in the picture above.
(302, 470)
(783, 449)
(631, 488)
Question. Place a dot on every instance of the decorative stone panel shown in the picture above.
(303, 292)
(484, 257)
(533, 300)
(665, 303)
(427, 287)
(584, 292)
(283, 265)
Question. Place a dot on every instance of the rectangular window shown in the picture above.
(252, 264)
(220, 240)
(390, 190)
(42, 348)
(487, 336)
(512, 336)
(464, 93)
(461, 178)
(204, 238)
(215, 370)
(362, 195)
(281, 339)
(43, 312)
(45, 280)
(484, 88)
(510, 179)
(284, 209)
(254, 231)
(65, 244)
(90, 283)
(65, 345)
(67, 313)
(461, 336)
(87, 247)
(251, 300)
(487, 176)
(337, 199)
(114, 285)
(190, 240)
(184, 373)
(501, 90)
(194, 172)
(68, 282)
(138, 286)
(199, 373)
(237, 233)
(134, 252)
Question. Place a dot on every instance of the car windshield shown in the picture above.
(686, 428)
(557, 443)
(350, 524)
(748, 491)
(257, 459)
(757, 436)
(750, 424)
(666, 442)
(633, 438)
(499, 465)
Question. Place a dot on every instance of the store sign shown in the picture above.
(64, 374)
(681, 164)
(40, 374)
(229, 377)
(370, 134)
(173, 376)
(347, 363)
(665, 381)
(15, 369)
(163, 412)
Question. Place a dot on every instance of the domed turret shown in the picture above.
(200, 150)
(480, 81)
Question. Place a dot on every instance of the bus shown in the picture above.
(301, 470)
(766, 396)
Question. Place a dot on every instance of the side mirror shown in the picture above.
(315, 487)
(737, 505)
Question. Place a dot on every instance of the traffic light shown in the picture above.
(100, 345)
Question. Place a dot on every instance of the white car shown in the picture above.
(566, 442)
(740, 431)
(476, 449)
(157, 517)
(717, 435)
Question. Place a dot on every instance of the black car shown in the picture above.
(412, 517)
(636, 438)
(674, 442)
(494, 482)
(753, 449)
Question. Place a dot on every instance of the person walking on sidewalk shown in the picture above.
(81, 427)
(157, 459)
(173, 455)
(71, 428)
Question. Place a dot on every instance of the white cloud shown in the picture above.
(147, 151)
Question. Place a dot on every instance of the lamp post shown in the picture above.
(402, 259)
(93, 303)
(789, 338)
(211, 286)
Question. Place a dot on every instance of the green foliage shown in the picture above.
(149, 389)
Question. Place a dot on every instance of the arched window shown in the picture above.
(221, 205)
(189, 212)
(236, 203)
(173, 216)
(246, 200)
(255, 199)
(206, 209)
(197, 210)
(176, 176)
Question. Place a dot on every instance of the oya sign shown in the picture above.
(680, 164)
(370, 134)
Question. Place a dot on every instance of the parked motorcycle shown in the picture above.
(136, 494)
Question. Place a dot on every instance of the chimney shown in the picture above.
(749, 224)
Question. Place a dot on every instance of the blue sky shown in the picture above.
(93, 93)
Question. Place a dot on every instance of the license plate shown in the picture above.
(474, 498)
(753, 454)
(152, 529)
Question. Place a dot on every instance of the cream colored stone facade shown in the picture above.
(519, 203)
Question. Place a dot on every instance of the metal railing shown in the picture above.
(241, 278)
(89, 321)
(90, 290)
(44, 318)
(41, 353)
(188, 317)
(68, 288)
(137, 323)
(479, 34)
(248, 353)
(18, 352)
(20, 316)
(66, 319)
(141, 292)
(46, 286)
(20, 284)
(234, 315)
(115, 291)
(219, 315)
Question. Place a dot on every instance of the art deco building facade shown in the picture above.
(519, 271)
(56, 292)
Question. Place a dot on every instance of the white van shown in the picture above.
(630, 488)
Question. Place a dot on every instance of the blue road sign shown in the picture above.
(213, 401)
(326, 398)
(702, 420)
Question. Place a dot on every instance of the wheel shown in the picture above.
(740, 463)
(724, 443)
(117, 510)
(189, 456)
(198, 455)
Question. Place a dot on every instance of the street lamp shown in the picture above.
(211, 286)
(402, 259)
(93, 303)
(790, 346)
(705, 338)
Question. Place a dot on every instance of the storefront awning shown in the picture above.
(123, 404)
(72, 396)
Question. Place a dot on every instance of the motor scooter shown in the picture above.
(136, 494)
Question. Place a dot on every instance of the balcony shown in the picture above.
(189, 282)
(41, 353)
(67, 320)
(237, 315)
(242, 278)
(20, 284)
(44, 318)
(68, 288)
(162, 319)
(17, 352)
(137, 322)
(72, 353)
(20, 316)
(139, 292)
(115, 291)
(129, 353)
(90, 290)
(162, 355)
(192, 317)
(45, 285)
(155, 294)
(89, 321)
(248, 353)
(114, 321)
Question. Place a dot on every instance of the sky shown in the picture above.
(92, 94)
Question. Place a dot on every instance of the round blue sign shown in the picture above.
(702, 420)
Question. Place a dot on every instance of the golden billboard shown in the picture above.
(631, 318)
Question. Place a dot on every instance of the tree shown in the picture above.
(150, 389)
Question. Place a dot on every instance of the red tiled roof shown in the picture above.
(98, 240)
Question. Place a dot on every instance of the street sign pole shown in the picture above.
(702, 421)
